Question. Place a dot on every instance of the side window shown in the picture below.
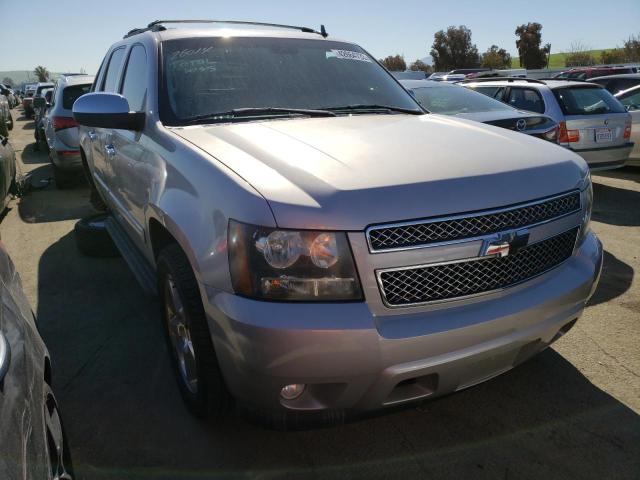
(97, 78)
(113, 69)
(632, 101)
(526, 99)
(493, 92)
(134, 87)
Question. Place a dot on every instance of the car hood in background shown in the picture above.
(349, 172)
(492, 116)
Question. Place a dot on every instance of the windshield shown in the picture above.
(454, 100)
(587, 101)
(206, 76)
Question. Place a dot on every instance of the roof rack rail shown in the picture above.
(501, 79)
(157, 25)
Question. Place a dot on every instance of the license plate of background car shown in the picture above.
(604, 135)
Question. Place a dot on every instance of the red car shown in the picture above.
(585, 73)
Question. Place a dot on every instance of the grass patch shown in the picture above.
(558, 60)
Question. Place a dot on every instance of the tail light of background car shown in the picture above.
(568, 136)
(627, 131)
(60, 123)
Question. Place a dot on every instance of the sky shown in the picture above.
(67, 35)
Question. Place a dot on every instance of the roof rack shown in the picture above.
(157, 26)
(501, 79)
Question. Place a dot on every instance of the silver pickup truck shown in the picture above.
(320, 244)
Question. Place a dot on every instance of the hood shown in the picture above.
(349, 172)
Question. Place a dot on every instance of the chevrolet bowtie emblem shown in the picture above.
(504, 244)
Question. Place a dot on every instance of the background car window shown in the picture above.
(113, 69)
(587, 101)
(632, 101)
(493, 92)
(526, 99)
(450, 100)
(72, 93)
(134, 88)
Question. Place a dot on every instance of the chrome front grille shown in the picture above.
(430, 283)
(425, 232)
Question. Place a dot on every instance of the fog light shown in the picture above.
(291, 392)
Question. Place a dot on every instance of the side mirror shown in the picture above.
(5, 356)
(107, 110)
(39, 102)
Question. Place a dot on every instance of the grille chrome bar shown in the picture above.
(471, 226)
(424, 284)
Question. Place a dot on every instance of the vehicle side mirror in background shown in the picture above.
(106, 110)
(39, 102)
(5, 356)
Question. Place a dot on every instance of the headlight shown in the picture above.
(587, 197)
(291, 265)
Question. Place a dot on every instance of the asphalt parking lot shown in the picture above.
(571, 412)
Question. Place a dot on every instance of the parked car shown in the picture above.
(410, 75)
(34, 445)
(41, 104)
(6, 120)
(618, 83)
(27, 100)
(37, 92)
(467, 71)
(61, 130)
(630, 98)
(509, 72)
(447, 99)
(319, 244)
(592, 122)
(7, 171)
(438, 76)
(9, 94)
(586, 73)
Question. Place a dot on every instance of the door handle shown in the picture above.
(91, 134)
(110, 150)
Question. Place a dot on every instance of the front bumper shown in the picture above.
(606, 158)
(352, 360)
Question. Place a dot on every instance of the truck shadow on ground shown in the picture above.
(616, 206)
(30, 156)
(125, 417)
(616, 279)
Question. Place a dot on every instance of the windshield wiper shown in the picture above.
(375, 108)
(268, 112)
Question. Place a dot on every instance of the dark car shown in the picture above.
(32, 440)
(618, 83)
(6, 120)
(7, 171)
(449, 99)
(587, 73)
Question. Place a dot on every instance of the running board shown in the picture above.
(139, 265)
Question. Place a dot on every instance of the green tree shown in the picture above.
(579, 55)
(615, 55)
(394, 63)
(420, 66)
(8, 81)
(454, 49)
(496, 57)
(41, 73)
(632, 48)
(528, 44)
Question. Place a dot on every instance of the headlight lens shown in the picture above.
(587, 195)
(291, 265)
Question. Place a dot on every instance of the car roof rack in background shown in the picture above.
(157, 26)
(501, 79)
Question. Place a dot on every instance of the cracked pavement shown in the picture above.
(571, 412)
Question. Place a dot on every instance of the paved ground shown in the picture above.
(572, 412)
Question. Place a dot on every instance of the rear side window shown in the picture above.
(632, 100)
(72, 93)
(134, 88)
(587, 101)
(526, 99)
(493, 92)
(113, 69)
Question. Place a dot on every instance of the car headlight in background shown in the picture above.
(291, 265)
(587, 197)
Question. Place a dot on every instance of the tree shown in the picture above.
(8, 81)
(420, 66)
(632, 48)
(615, 55)
(453, 49)
(41, 73)
(394, 63)
(528, 44)
(496, 58)
(579, 55)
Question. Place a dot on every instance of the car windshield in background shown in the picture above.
(208, 76)
(72, 93)
(587, 101)
(453, 100)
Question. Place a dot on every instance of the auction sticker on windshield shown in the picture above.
(350, 55)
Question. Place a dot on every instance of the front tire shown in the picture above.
(197, 370)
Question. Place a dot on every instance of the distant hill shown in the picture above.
(21, 76)
(558, 60)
